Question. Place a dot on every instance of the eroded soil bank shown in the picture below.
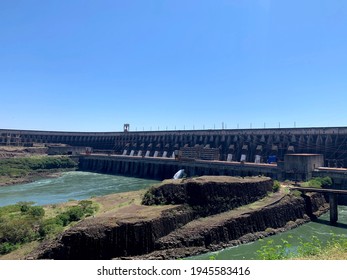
(183, 219)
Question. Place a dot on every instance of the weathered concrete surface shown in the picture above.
(160, 168)
(173, 231)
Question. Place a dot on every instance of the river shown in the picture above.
(320, 228)
(72, 185)
(83, 185)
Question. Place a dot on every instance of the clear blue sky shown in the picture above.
(95, 65)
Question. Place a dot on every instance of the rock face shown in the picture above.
(179, 230)
(228, 227)
(109, 238)
(238, 226)
(210, 194)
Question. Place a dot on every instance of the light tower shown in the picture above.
(126, 127)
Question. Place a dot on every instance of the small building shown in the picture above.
(68, 150)
(299, 167)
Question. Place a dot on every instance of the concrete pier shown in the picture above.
(333, 207)
(333, 199)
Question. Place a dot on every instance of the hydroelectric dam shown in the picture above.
(294, 154)
(249, 145)
(281, 153)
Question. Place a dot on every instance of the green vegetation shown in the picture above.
(19, 167)
(335, 248)
(276, 186)
(149, 197)
(22, 223)
(318, 182)
(296, 193)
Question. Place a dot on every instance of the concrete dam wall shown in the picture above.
(160, 169)
(231, 143)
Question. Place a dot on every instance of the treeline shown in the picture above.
(18, 167)
(22, 223)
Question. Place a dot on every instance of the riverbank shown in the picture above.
(29, 169)
(125, 228)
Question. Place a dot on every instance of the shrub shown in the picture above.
(318, 182)
(85, 204)
(149, 197)
(310, 248)
(7, 247)
(63, 219)
(36, 211)
(315, 183)
(296, 193)
(50, 226)
(276, 186)
(326, 181)
(272, 251)
(75, 213)
(19, 230)
(24, 208)
(22, 223)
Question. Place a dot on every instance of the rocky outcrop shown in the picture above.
(108, 238)
(237, 227)
(228, 227)
(176, 231)
(210, 194)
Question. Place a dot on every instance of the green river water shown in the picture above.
(83, 185)
(71, 185)
(320, 229)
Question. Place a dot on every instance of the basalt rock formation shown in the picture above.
(236, 227)
(210, 194)
(182, 218)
